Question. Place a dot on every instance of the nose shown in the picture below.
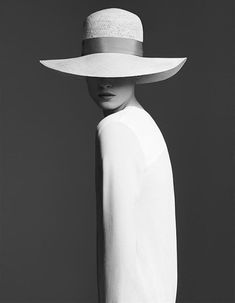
(105, 84)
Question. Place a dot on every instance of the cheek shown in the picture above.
(125, 92)
(121, 96)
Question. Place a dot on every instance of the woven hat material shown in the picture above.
(113, 22)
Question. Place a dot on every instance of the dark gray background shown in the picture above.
(47, 132)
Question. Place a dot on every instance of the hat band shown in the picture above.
(112, 45)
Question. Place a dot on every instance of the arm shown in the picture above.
(122, 164)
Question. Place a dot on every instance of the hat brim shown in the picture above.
(110, 65)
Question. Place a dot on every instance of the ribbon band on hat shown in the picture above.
(112, 45)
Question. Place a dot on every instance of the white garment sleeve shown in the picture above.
(123, 166)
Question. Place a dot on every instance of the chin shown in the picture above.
(108, 105)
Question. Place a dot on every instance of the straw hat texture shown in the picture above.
(112, 46)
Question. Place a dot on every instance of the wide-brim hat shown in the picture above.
(112, 46)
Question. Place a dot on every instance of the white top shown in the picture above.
(136, 223)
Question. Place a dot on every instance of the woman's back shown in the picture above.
(136, 226)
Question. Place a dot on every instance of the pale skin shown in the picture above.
(122, 88)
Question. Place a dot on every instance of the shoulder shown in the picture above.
(133, 128)
(118, 140)
(116, 131)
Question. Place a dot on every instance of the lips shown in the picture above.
(106, 94)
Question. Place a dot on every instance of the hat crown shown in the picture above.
(113, 22)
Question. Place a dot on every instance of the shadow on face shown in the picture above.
(122, 88)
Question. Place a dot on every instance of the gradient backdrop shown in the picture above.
(47, 132)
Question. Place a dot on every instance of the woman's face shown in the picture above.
(121, 88)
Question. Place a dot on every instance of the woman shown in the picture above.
(136, 224)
